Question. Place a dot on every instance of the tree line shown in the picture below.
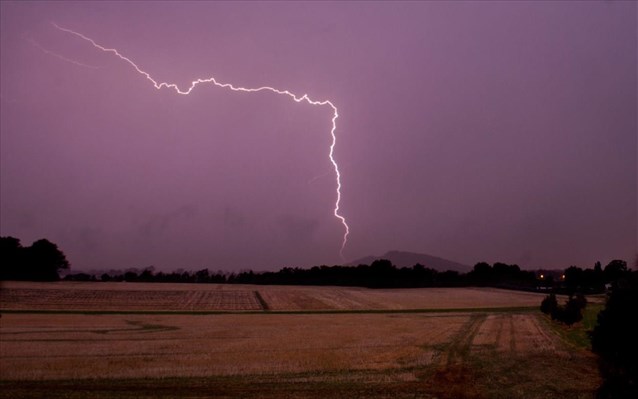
(383, 274)
(44, 261)
(380, 274)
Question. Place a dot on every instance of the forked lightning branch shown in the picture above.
(212, 80)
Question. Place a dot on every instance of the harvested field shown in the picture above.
(112, 300)
(462, 354)
(217, 297)
(124, 346)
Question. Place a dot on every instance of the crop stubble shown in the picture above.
(472, 354)
(218, 297)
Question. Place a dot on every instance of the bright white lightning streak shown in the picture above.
(247, 90)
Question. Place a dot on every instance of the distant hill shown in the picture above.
(409, 259)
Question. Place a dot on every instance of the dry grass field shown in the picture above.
(439, 352)
(226, 297)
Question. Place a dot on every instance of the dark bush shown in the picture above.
(570, 313)
(549, 304)
(615, 340)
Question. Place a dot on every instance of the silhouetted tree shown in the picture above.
(130, 276)
(482, 273)
(448, 278)
(614, 270)
(11, 258)
(598, 269)
(570, 313)
(549, 304)
(147, 275)
(573, 278)
(42, 261)
(573, 310)
(218, 278)
(381, 273)
(615, 340)
(503, 272)
(202, 276)
(593, 279)
(423, 276)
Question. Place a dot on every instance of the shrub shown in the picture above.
(549, 304)
(570, 313)
(615, 340)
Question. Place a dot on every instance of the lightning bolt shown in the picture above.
(296, 98)
(63, 58)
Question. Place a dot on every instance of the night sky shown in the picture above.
(473, 131)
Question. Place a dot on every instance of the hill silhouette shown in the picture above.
(409, 259)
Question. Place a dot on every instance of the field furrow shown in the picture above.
(216, 297)
(439, 353)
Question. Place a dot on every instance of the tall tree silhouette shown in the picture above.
(615, 339)
(42, 261)
(614, 270)
(11, 258)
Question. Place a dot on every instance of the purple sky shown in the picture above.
(470, 131)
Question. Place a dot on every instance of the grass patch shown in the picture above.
(534, 376)
(577, 335)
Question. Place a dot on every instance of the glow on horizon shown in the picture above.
(194, 83)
